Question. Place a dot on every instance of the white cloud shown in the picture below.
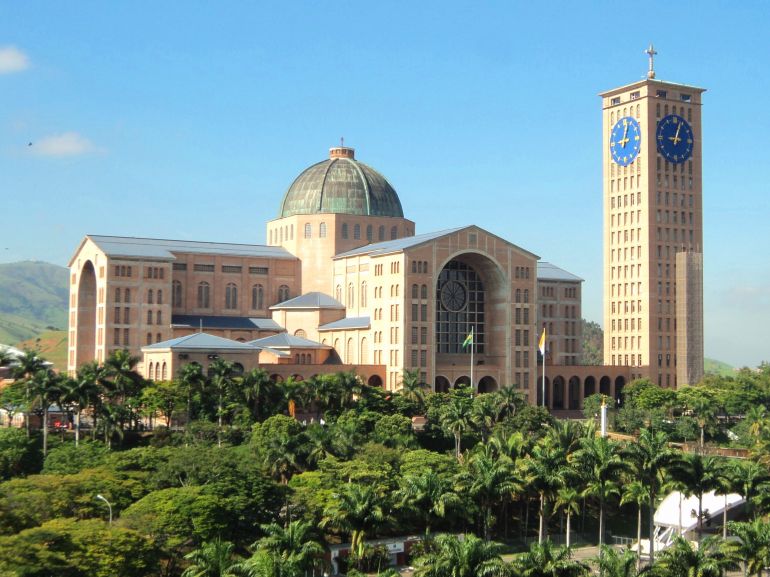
(64, 144)
(12, 60)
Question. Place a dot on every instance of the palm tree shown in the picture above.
(358, 510)
(753, 545)
(456, 420)
(484, 412)
(192, 379)
(212, 559)
(509, 400)
(546, 470)
(599, 459)
(222, 380)
(296, 545)
(756, 419)
(568, 500)
(636, 492)
(465, 556)
(648, 459)
(546, 560)
(121, 382)
(490, 480)
(412, 387)
(709, 559)
(427, 494)
(26, 366)
(82, 391)
(751, 480)
(699, 475)
(614, 563)
(254, 386)
(45, 389)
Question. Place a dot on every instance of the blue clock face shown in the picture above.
(625, 140)
(674, 138)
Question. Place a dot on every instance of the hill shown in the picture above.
(33, 298)
(714, 367)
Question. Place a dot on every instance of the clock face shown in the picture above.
(453, 296)
(625, 140)
(674, 138)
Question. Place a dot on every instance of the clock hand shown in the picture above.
(675, 139)
(624, 140)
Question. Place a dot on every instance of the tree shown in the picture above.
(427, 494)
(19, 454)
(13, 398)
(546, 560)
(412, 387)
(485, 409)
(358, 510)
(83, 391)
(753, 545)
(192, 381)
(221, 372)
(296, 546)
(465, 556)
(27, 365)
(709, 559)
(699, 475)
(703, 404)
(45, 390)
(456, 420)
(614, 563)
(635, 492)
(255, 386)
(599, 459)
(212, 559)
(648, 459)
(162, 397)
(568, 500)
(751, 480)
(545, 472)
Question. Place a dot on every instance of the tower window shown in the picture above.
(322, 230)
(344, 230)
(357, 231)
(308, 230)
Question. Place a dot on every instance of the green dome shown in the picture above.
(341, 185)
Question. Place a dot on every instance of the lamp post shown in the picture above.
(109, 506)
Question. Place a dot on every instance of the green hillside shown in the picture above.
(714, 367)
(33, 299)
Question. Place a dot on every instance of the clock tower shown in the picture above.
(653, 229)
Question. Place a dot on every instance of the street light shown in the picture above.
(101, 497)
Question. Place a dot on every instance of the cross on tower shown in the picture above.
(651, 53)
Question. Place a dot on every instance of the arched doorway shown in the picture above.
(573, 395)
(620, 382)
(441, 385)
(589, 387)
(558, 392)
(487, 385)
(276, 378)
(86, 307)
(462, 382)
(604, 386)
(375, 381)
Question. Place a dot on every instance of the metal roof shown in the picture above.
(549, 271)
(285, 340)
(162, 249)
(224, 322)
(201, 341)
(311, 300)
(398, 244)
(348, 323)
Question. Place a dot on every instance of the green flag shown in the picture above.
(469, 339)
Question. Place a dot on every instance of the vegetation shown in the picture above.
(225, 482)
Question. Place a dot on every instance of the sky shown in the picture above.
(189, 120)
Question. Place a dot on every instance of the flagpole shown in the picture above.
(473, 346)
(544, 404)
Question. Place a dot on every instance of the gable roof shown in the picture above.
(401, 244)
(549, 271)
(347, 323)
(163, 249)
(201, 341)
(285, 340)
(311, 300)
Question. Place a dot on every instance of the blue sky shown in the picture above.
(190, 119)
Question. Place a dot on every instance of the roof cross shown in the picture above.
(651, 53)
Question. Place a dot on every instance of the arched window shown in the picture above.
(322, 230)
(424, 291)
(127, 296)
(159, 318)
(518, 295)
(164, 375)
(364, 352)
(151, 374)
(149, 297)
(158, 338)
(308, 230)
(231, 296)
(381, 234)
(369, 233)
(149, 317)
(149, 342)
(117, 295)
(283, 293)
(349, 352)
(338, 293)
(159, 297)
(393, 233)
(362, 298)
(204, 292)
(300, 333)
(257, 297)
(415, 290)
(526, 295)
(356, 231)
(351, 295)
(344, 230)
(176, 294)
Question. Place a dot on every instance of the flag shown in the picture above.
(541, 343)
(469, 339)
